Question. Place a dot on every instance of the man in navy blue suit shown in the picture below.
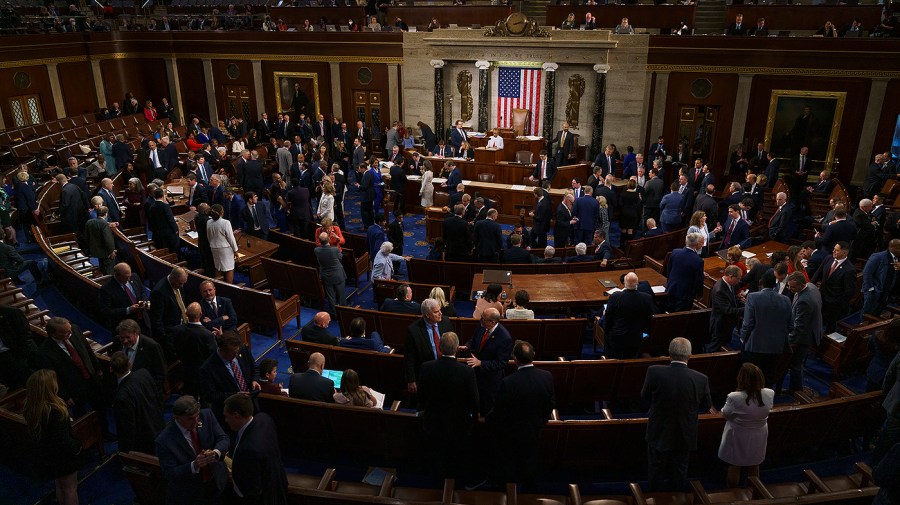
(257, 470)
(491, 347)
(218, 311)
(544, 169)
(879, 278)
(453, 180)
(736, 230)
(684, 272)
(403, 304)
(457, 136)
(229, 370)
(586, 212)
(541, 216)
(109, 200)
(195, 472)
(233, 206)
(839, 230)
(358, 339)
(781, 224)
(255, 216)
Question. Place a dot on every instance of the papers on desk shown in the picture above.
(658, 289)
(379, 398)
(192, 234)
(437, 180)
(241, 255)
(385, 164)
(517, 187)
(768, 255)
(529, 137)
(837, 337)
(466, 183)
(175, 190)
(613, 291)
(414, 177)
(748, 254)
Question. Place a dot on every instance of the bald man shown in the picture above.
(310, 385)
(316, 331)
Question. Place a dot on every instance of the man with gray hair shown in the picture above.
(627, 319)
(167, 310)
(580, 254)
(684, 274)
(867, 230)
(331, 271)
(383, 264)
(782, 221)
(677, 395)
(194, 471)
(806, 327)
(423, 340)
(549, 256)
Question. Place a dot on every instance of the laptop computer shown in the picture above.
(330, 28)
(497, 277)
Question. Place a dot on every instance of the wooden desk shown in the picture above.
(569, 290)
(250, 250)
(714, 265)
(511, 173)
(511, 146)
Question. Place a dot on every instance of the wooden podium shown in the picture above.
(488, 155)
(434, 222)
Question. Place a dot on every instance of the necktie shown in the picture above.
(215, 308)
(834, 266)
(773, 216)
(195, 441)
(802, 162)
(238, 376)
(128, 292)
(562, 139)
(255, 218)
(85, 374)
(484, 339)
(129, 351)
(543, 170)
(437, 341)
(153, 156)
(697, 175)
(181, 305)
(609, 163)
(360, 134)
(730, 230)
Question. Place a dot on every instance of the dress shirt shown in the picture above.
(496, 142)
(433, 330)
(154, 157)
(190, 440)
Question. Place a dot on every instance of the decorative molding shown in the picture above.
(437, 63)
(519, 64)
(42, 61)
(212, 56)
(549, 67)
(482, 64)
(602, 68)
(815, 72)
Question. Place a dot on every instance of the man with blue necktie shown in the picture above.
(423, 340)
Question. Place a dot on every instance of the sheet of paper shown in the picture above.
(466, 183)
(414, 177)
(837, 337)
(193, 234)
(658, 289)
(517, 187)
(439, 180)
(613, 290)
(241, 255)
(748, 254)
(379, 398)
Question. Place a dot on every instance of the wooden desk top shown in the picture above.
(583, 289)
(250, 248)
(714, 265)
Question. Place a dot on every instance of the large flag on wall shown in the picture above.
(519, 88)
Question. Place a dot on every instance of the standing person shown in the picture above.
(838, 283)
(300, 211)
(67, 353)
(541, 219)
(767, 322)
(331, 271)
(488, 238)
(879, 278)
(448, 398)
(490, 348)
(137, 406)
(195, 473)
(586, 211)
(48, 423)
(422, 343)
(257, 470)
(222, 243)
(726, 307)
(229, 370)
(806, 316)
(677, 395)
(326, 202)
(426, 190)
(746, 431)
(627, 319)
(630, 210)
(256, 216)
(562, 227)
(684, 274)
(366, 186)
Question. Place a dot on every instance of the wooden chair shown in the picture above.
(487, 177)
(524, 157)
(521, 121)
(441, 199)
(145, 476)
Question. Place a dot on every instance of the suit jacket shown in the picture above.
(523, 405)
(735, 30)
(251, 177)
(149, 357)
(866, 234)
(457, 236)
(309, 385)
(781, 224)
(843, 230)
(194, 345)
(367, 186)
(370, 342)
(264, 129)
(457, 137)
(262, 213)
(806, 317)
(453, 180)
(839, 287)
(183, 487)
(298, 202)
(739, 235)
(612, 200)
(446, 152)
(168, 157)
(767, 322)
(217, 383)
(878, 274)
(670, 209)
(542, 214)
(494, 355)
(257, 468)
(562, 227)
(109, 200)
(653, 193)
(72, 208)
(684, 272)
(448, 395)
(488, 238)
(137, 408)
(539, 168)
(725, 312)
(756, 31)
(417, 348)
(68, 376)
(161, 221)
(316, 334)
(587, 210)
(113, 301)
(331, 270)
(772, 171)
(224, 307)
(165, 314)
(564, 149)
(517, 255)
(628, 316)
(398, 177)
(99, 237)
(396, 306)
(677, 395)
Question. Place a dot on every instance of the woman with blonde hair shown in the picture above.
(49, 425)
(603, 216)
(352, 393)
(326, 201)
(447, 307)
(746, 433)
(734, 256)
(335, 236)
(698, 225)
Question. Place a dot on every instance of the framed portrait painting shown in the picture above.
(809, 119)
(297, 92)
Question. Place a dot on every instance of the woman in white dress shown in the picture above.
(495, 140)
(746, 430)
(426, 191)
(222, 243)
(326, 202)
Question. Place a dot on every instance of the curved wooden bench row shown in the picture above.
(300, 251)
(582, 450)
(550, 337)
(654, 247)
(459, 275)
(292, 279)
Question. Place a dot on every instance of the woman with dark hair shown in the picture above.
(630, 210)
(221, 242)
(49, 425)
(489, 299)
(795, 261)
(519, 310)
(746, 429)
(352, 393)
(438, 250)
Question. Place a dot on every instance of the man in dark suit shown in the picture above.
(515, 253)
(781, 224)
(121, 297)
(652, 229)
(448, 397)
(398, 181)
(78, 373)
(726, 308)
(358, 339)
(586, 211)
(264, 128)
(109, 200)
(251, 177)
(837, 278)
(316, 330)
(490, 347)
(653, 193)
(737, 231)
(457, 136)
(194, 345)
(137, 406)
(195, 472)
(362, 132)
(541, 216)
(764, 332)
(562, 226)
(806, 330)
(738, 28)
(630, 169)
(331, 271)
(758, 160)
(167, 310)
(143, 352)
(300, 210)
(627, 319)
(218, 311)
(422, 342)
(229, 370)
(879, 278)
(457, 235)
(441, 150)
(257, 471)
(544, 169)
(72, 206)
(866, 230)
(255, 216)
(523, 405)
(419, 165)
(403, 304)
(168, 156)
(839, 230)
(310, 385)
(759, 29)
(488, 238)
(677, 395)
(454, 179)
(162, 223)
(366, 186)
(875, 177)
(565, 146)
(684, 274)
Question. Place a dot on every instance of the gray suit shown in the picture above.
(285, 159)
(806, 318)
(767, 322)
(332, 274)
(393, 139)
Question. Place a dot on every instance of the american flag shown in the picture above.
(519, 88)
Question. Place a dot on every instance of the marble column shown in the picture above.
(259, 95)
(337, 108)
(866, 153)
(56, 90)
(659, 104)
(175, 90)
(394, 87)
(741, 108)
(549, 98)
(438, 66)
(99, 88)
(211, 94)
(484, 86)
(599, 109)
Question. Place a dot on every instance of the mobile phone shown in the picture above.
(503, 295)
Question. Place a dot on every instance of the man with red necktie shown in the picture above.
(77, 370)
(491, 350)
(231, 369)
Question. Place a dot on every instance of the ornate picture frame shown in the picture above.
(788, 127)
(284, 92)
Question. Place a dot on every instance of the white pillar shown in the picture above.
(741, 108)
(659, 105)
(175, 88)
(258, 84)
(56, 90)
(866, 153)
(394, 86)
(337, 107)
(210, 90)
(99, 87)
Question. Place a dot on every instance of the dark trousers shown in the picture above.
(890, 435)
(586, 236)
(667, 470)
(834, 312)
(300, 228)
(367, 213)
(335, 294)
(797, 361)
(765, 362)
(399, 200)
(339, 215)
(561, 237)
(539, 240)
(30, 265)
